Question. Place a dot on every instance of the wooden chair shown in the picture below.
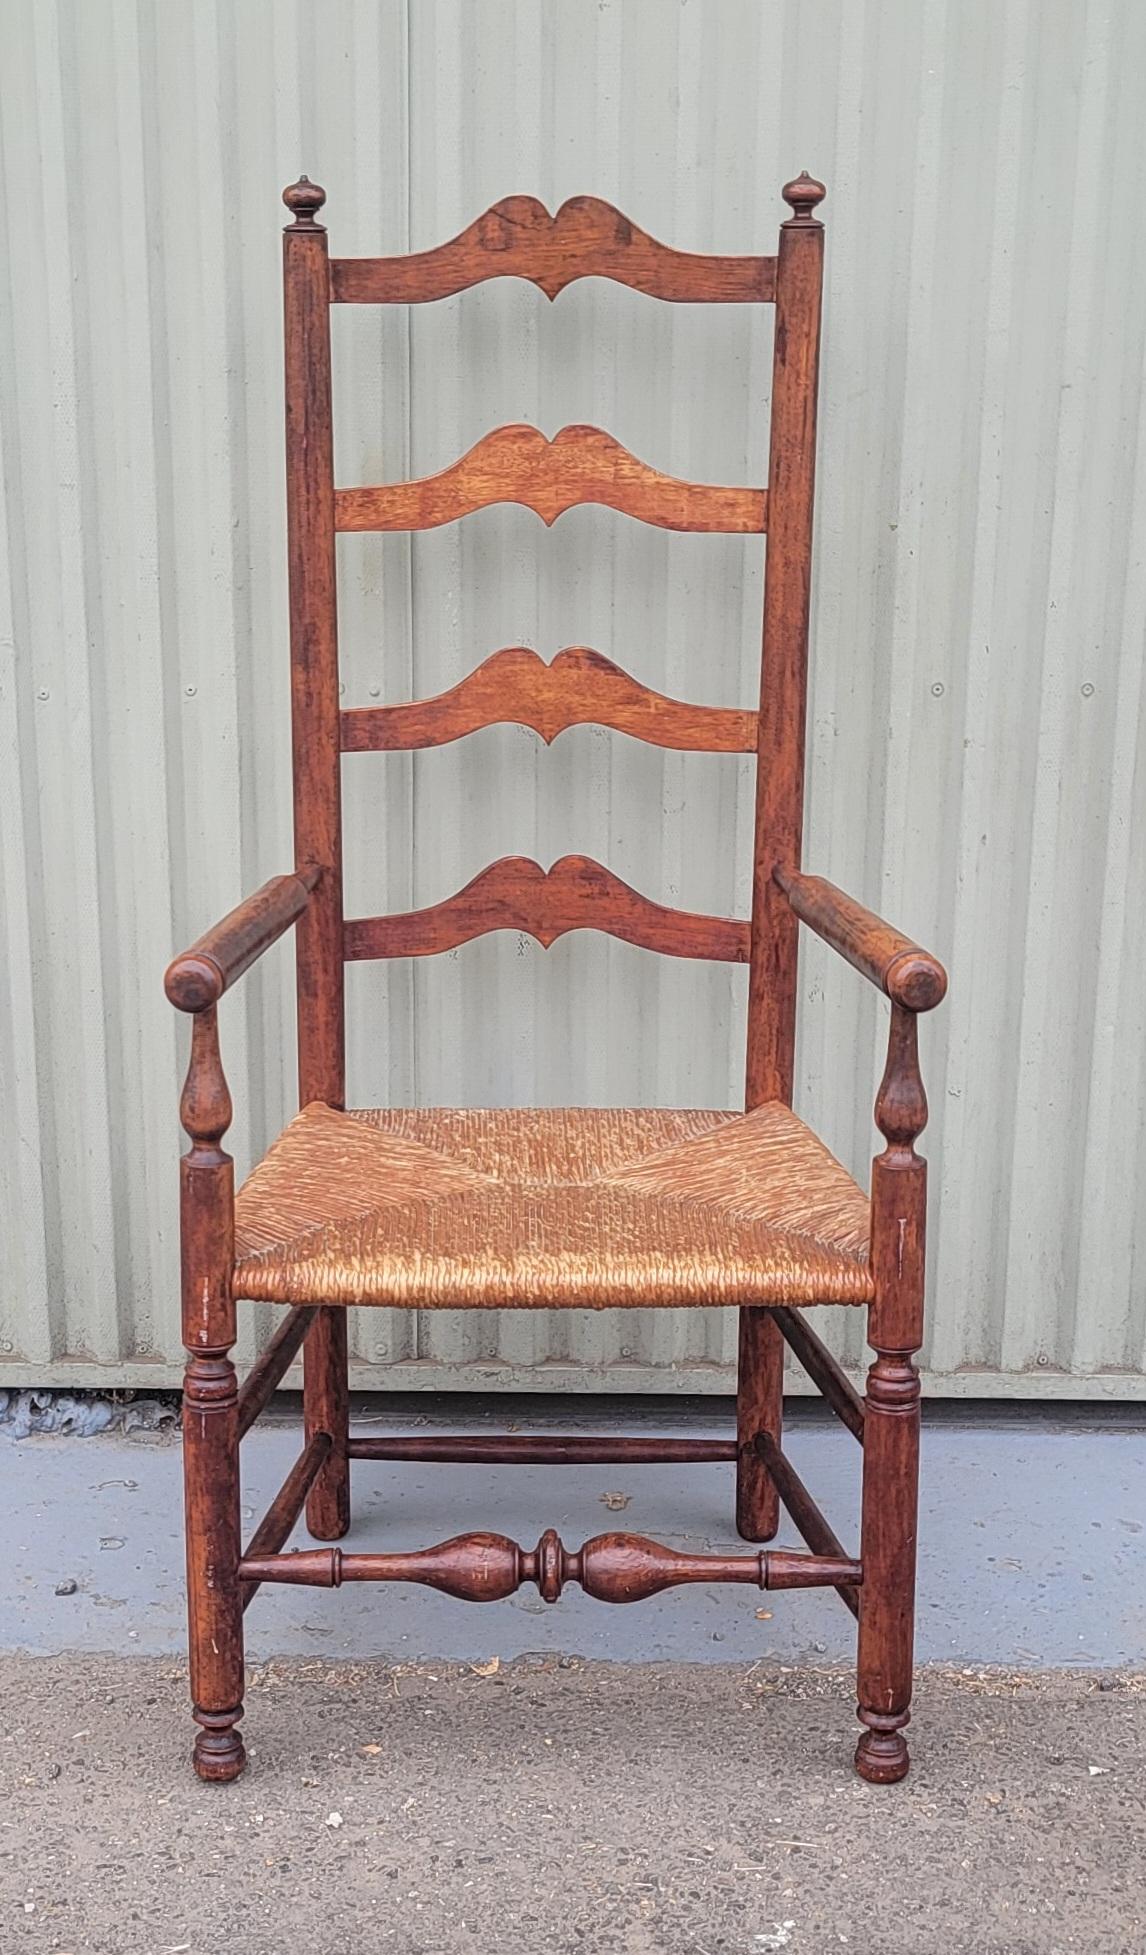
(523, 1209)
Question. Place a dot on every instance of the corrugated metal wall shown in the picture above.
(980, 600)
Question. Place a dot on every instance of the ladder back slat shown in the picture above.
(577, 893)
(518, 238)
(579, 688)
(580, 464)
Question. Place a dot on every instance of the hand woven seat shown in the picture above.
(574, 1206)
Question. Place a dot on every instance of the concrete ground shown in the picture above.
(1032, 1543)
(579, 1808)
(666, 1779)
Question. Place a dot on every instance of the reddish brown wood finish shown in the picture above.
(516, 893)
(805, 1514)
(610, 1567)
(271, 1367)
(578, 688)
(833, 1382)
(578, 465)
(910, 976)
(891, 1423)
(326, 1409)
(784, 661)
(759, 1409)
(519, 239)
(543, 1449)
(211, 1412)
(314, 645)
(780, 774)
(201, 974)
(317, 771)
(284, 1510)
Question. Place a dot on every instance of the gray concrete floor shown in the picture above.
(1032, 1547)
(669, 1779)
(578, 1809)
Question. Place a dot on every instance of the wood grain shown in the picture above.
(272, 1365)
(210, 1412)
(579, 464)
(823, 1369)
(771, 1028)
(201, 974)
(279, 1520)
(610, 1567)
(518, 238)
(804, 1512)
(578, 688)
(889, 1519)
(317, 771)
(784, 658)
(543, 1449)
(516, 893)
(910, 976)
(759, 1409)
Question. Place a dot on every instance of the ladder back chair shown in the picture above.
(433, 1208)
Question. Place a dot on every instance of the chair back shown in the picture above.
(518, 238)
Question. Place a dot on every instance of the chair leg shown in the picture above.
(759, 1408)
(214, 1547)
(887, 1549)
(326, 1404)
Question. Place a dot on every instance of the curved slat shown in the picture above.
(518, 238)
(516, 893)
(580, 464)
(579, 688)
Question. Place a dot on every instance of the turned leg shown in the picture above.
(326, 1401)
(759, 1408)
(887, 1550)
(891, 1421)
(211, 1412)
(214, 1604)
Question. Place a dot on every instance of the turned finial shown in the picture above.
(205, 1107)
(305, 199)
(901, 1105)
(803, 193)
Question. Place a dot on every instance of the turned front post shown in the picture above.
(317, 777)
(891, 1420)
(211, 1411)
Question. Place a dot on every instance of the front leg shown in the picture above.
(211, 1413)
(214, 1603)
(891, 1422)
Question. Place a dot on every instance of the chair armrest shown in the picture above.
(200, 975)
(911, 977)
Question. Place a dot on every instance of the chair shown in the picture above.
(433, 1208)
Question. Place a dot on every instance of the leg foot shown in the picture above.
(219, 1755)
(881, 1754)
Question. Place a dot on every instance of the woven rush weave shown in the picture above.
(445, 1209)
